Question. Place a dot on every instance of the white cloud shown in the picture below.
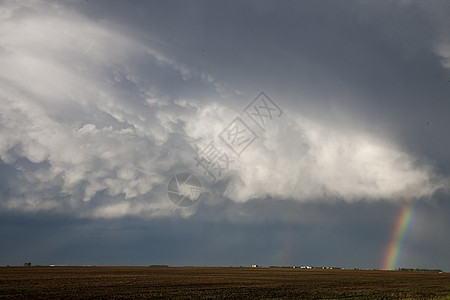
(62, 103)
(104, 137)
(442, 49)
(303, 160)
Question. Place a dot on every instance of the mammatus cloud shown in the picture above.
(92, 122)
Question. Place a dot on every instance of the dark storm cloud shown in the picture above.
(128, 109)
(342, 235)
(350, 64)
(102, 102)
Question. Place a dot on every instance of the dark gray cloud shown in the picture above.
(102, 102)
(342, 235)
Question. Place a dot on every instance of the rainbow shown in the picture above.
(283, 256)
(402, 224)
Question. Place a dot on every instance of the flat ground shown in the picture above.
(222, 283)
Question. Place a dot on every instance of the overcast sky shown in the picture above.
(103, 102)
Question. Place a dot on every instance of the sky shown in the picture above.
(297, 131)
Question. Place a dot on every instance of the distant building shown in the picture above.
(255, 266)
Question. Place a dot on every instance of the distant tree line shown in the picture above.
(419, 270)
(159, 266)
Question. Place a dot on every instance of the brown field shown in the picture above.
(221, 283)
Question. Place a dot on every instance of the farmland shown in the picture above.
(221, 283)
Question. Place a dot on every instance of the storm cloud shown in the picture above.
(103, 102)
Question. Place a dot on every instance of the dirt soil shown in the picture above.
(217, 283)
